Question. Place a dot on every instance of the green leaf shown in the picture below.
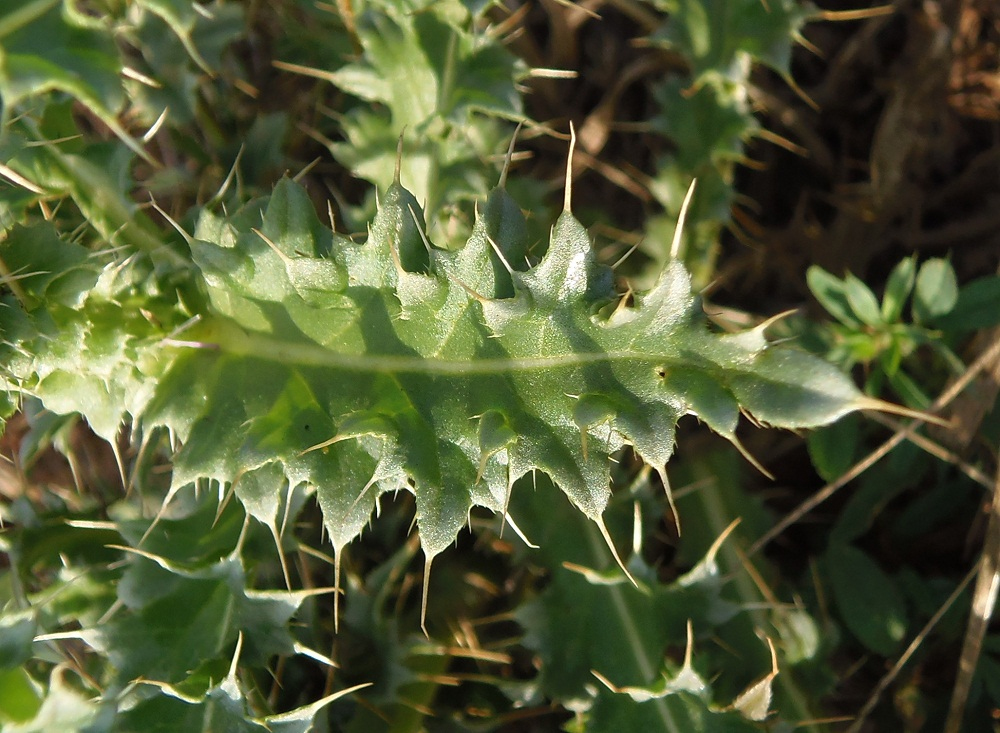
(831, 292)
(433, 73)
(178, 46)
(879, 486)
(422, 64)
(47, 268)
(708, 126)
(93, 347)
(198, 616)
(718, 36)
(862, 301)
(184, 19)
(977, 306)
(911, 393)
(19, 700)
(17, 630)
(936, 292)
(867, 599)
(689, 713)
(361, 369)
(167, 713)
(586, 620)
(46, 48)
(223, 706)
(898, 289)
(303, 719)
(833, 448)
(63, 708)
(52, 46)
(92, 177)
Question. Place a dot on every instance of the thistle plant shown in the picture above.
(258, 374)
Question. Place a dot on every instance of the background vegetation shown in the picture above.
(847, 164)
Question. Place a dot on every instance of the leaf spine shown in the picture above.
(510, 154)
(675, 245)
(568, 195)
(423, 237)
(614, 552)
(499, 253)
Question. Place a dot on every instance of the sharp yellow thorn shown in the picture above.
(782, 142)
(800, 93)
(284, 258)
(503, 260)
(120, 463)
(775, 318)
(611, 546)
(519, 533)
(506, 502)
(162, 562)
(753, 461)
(281, 557)
(396, 262)
(171, 492)
(689, 648)
(605, 681)
(717, 545)
(187, 237)
(336, 588)
(155, 127)
(420, 231)
(472, 293)
(130, 73)
(308, 167)
(625, 256)
(623, 301)
(576, 6)
(662, 471)
(871, 403)
(229, 176)
(324, 444)
(423, 597)
(241, 540)
(568, 197)
(299, 69)
(364, 490)
(12, 175)
(809, 46)
(675, 245)
(636, 528)
(541, 73)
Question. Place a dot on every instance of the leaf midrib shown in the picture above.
(232, 340)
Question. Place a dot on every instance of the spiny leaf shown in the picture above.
(359, 369)
(719, 37)
(437, 74)
(50, 46)
(87, 339)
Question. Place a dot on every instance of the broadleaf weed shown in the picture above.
(178, 285)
